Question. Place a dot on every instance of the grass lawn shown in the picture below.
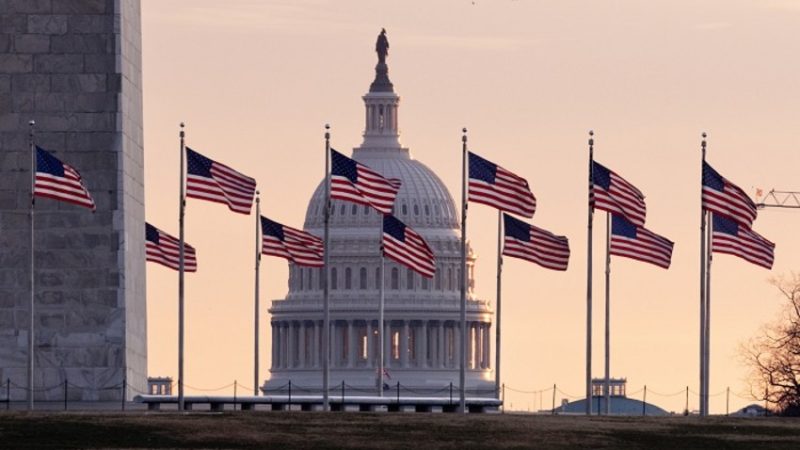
(417, 431)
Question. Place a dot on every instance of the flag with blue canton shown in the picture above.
(164, 249)
(59, 181)
(534, 244)
(733, 238)
(209, 180)
(612, 193)
(630, 241)
(299, 247)
(722, 197)
(357, 183)
(495, 186)
(405, 246)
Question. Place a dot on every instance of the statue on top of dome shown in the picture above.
(382, 47)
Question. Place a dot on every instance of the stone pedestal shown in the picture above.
(74, 67)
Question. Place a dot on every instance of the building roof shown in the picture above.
(622, 406)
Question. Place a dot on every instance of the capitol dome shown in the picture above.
(422, 316)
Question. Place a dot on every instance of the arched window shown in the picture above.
(348, 275)
(427, 210)
(395, 278)
(405, 209)
(366, 210)
(409, 279)
(321, 278)
(416, 209)
(342, 209)
(309, 281)
(362, 278)
(334, 281)
(425, 283)
(437, 278)
(378, 280)
(354, 209)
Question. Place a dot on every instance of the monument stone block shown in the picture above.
(74, 67)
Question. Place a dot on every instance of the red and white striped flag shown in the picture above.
(405, 246)
(215, 182)
(630, 241)
(357, 183)
(164, 249)
(495, 186)
(722, 197)
(59, 181)
(735, 239)
(610, 192)
(299, 247)
(534, 244)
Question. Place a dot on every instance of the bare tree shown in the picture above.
(773, 355)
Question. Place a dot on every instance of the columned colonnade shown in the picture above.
(416, 344)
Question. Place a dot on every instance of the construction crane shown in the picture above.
(778, 199)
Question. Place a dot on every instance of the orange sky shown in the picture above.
(256, 81)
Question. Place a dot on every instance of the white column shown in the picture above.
(470, 348)
(292, 345)
(301, 345)
(284, 347)
(274, 345)
(440, 354)
(351, 343)
(422, 357)
(456, 344)
(315, 346)
(487, 347)
(333, 344)
(387, 343)
(404, 345)
(370, 345)
(478, 345)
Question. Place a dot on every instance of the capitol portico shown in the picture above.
(422, 325)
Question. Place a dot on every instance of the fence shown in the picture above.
(344, 392)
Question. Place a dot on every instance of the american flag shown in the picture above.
(634, 242)
(358, 183)
(610, 192)
(495, 186)
(59, 181)
(405, 246)
(299, 247)
(534, 244)
(735, 239)
(210, 180)
(165, 250)
(722, 197)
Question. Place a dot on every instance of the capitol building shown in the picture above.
(422, 316)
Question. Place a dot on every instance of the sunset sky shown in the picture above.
(256, 81)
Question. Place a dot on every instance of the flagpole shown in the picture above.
(589, 281)
(32, 124)
(381, 333)
(257, 309)
(708, 308)
(703, 286)
(608, 316)
(462, 376)
(181, 267)
(326, 271)
(499, 285)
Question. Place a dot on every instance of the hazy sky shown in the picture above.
(255, 82)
